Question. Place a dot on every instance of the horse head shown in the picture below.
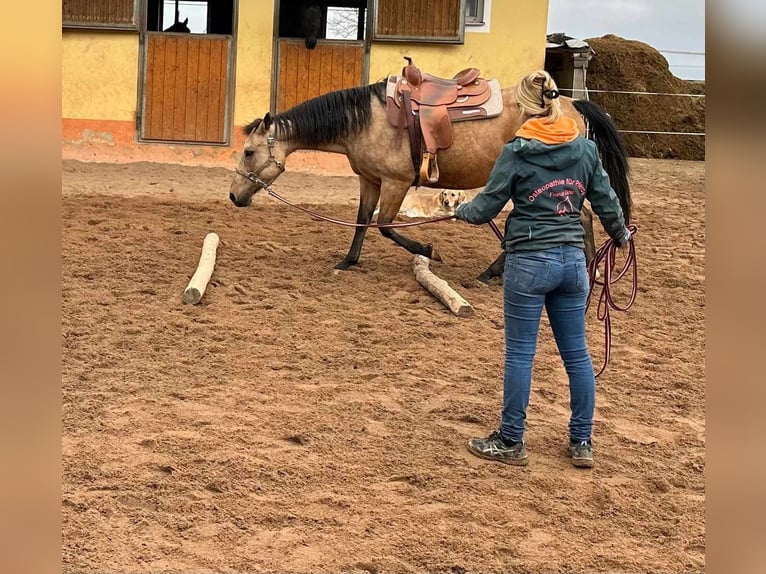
(311, 22)
(263, 161)
(182, 27)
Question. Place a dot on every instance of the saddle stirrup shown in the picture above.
(429, 169)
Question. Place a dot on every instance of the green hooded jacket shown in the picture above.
(548, 184)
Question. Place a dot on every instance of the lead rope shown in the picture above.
(608, 254)
(321, 217)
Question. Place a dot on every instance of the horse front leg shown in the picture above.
(369, 193)
(392, 195)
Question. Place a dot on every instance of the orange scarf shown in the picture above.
(561, 131)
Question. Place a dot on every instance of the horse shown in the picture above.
(178, 26)
(311, 23)
(353, 122)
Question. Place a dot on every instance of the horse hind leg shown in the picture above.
(369, 193)
(391, 201)
(494, 270)
(586, 218)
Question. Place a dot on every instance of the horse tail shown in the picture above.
(612, 150)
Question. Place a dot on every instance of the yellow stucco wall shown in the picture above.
(100, 69)
(514, 46)
(99, 75)
(252, 94)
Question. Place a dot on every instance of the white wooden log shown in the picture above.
(198, 283)
(439, 288)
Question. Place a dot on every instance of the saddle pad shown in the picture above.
(489, 109)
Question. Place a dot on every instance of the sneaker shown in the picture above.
(494, 447)
(582, 453)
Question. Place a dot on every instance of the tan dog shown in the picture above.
(433, 204)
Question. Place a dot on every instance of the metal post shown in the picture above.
(579, 74)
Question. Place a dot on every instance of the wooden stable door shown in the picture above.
(305, 74)
(185, 88)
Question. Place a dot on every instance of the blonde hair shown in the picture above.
(537, 95)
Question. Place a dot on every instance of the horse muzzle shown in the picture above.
(239, 203)
(241, 194)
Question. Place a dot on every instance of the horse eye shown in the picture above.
(249, 153)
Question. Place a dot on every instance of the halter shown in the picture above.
(271, 141)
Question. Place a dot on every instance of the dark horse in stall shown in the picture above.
(311, 23)
(353, 122)
(302, 19)
(180, 27)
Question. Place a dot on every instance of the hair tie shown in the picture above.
(550, 94)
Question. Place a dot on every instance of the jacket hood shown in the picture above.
(549, 145)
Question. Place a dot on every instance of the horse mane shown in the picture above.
(326, 118)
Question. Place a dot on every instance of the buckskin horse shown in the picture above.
(355, 122)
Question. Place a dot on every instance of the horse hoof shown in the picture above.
(345, 264)
(434, 255)
(489, 278)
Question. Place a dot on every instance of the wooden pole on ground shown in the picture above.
(439, 288)
(198, 283)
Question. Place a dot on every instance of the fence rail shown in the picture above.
(681, 52)
(590, 91)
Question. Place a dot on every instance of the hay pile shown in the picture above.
(628, 65)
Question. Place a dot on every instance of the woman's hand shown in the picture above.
(624, 238)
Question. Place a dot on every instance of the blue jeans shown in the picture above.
(556, 278)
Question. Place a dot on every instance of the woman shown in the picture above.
(547, 170)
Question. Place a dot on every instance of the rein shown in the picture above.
(607, 253)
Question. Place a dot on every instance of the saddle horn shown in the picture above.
(411, 73)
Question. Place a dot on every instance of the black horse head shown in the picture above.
(311, 23)
(179, 27)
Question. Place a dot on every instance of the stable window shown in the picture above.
(345, 23)
(439, 21)
(474, 12)
(190, 16)
(323, 20)
(113, 14)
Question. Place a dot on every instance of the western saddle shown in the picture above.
(427, 105)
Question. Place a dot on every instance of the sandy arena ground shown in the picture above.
(301, 420)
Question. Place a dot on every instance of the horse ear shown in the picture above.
(251, 127)
(267, 121)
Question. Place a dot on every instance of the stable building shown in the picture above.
(174, 80)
